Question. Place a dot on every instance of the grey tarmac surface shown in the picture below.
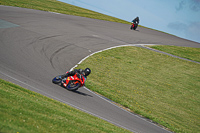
(37, 46)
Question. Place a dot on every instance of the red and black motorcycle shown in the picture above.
(134, 25)
(71, 83)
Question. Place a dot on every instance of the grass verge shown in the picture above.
(156, 86)
(24, 111)
(184, 52)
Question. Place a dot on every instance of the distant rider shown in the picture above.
(136, 20)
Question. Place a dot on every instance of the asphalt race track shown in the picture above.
(36, 46)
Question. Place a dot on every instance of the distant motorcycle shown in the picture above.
(134, 25)
(71, 83)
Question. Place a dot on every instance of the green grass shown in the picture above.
(185, 52)
(24, 111)
(156, 86)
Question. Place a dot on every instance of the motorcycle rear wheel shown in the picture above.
(73, 85)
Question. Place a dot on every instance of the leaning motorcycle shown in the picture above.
(71, 83)
(134, 25)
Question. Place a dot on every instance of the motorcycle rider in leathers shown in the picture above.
(136, 20)
(80, 73)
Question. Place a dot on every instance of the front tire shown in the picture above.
(131, 27)
(57, 80)
(135, 27)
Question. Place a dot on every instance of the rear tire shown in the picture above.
(73, 85)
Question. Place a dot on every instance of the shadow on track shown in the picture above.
(77, 92)
(81, 93)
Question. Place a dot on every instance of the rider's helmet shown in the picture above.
(87, 71)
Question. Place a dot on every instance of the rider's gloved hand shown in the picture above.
(63, 76)
(71, 73)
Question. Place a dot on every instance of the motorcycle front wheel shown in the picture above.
(57, 79)
(135, 27)
(131, 27)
